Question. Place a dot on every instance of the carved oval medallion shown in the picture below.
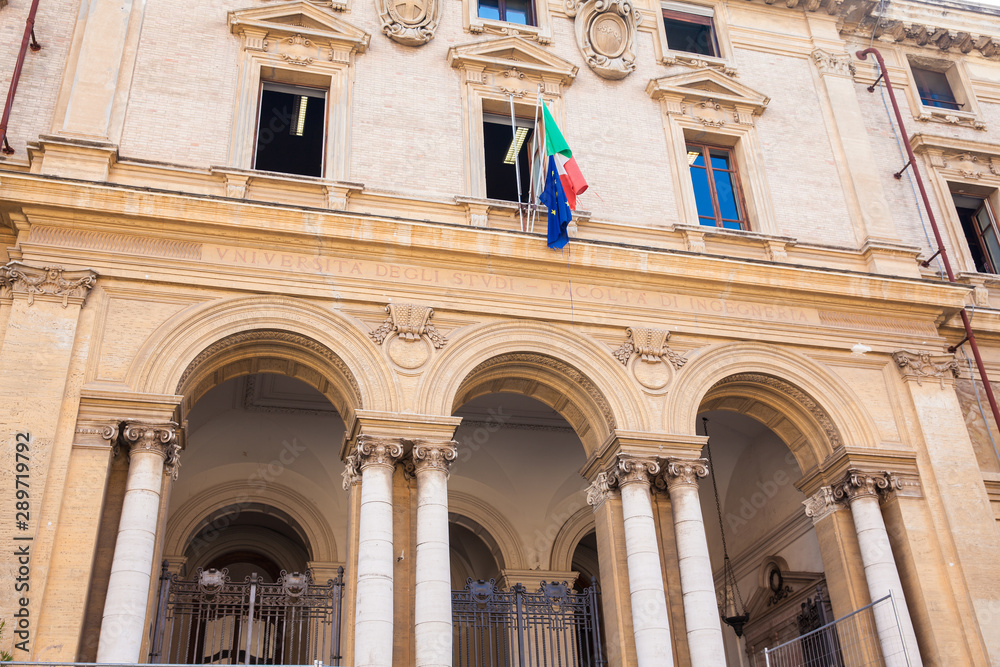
(608, 35)
(409, 12)
(653, 376)
(409, 354)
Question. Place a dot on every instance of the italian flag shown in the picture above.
(572, 179)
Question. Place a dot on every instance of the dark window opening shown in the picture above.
(716, 186)
(979, 226)
(500, 146)
(290, 130)
(690, 33)
(513, 11)
(934, 89)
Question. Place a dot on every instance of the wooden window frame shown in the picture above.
(502, 8)
(991, 262)
(735, 176)
(952, 105)
(696, 19)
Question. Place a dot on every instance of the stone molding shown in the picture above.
(861, 484)
(373, 451)
(838, 64)
(410, 322)
(46, 283)
(708, 97)
(605, 33)
(683, 472)
(822, 504)
(135, 435)
(433, 455)
(490, 63)
(299, 33)
(920, 366)
(413, 30)
(650, 345)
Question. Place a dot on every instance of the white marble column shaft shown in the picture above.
(373, 639)
(124, 621)
(432, 590)
(650, 621)
(701, 613)
(880, 568)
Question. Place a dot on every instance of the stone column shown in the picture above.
(376, 458)
(861, 489)
(650, 622)
(838, 544)
(701, 614)
(432, 590)
(152, 450)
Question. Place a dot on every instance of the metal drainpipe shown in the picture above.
(28, 38)
(863, 55)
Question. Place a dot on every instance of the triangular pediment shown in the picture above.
(707, 84)
(512, 52)
(308, 19)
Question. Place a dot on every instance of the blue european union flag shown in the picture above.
(554, 198)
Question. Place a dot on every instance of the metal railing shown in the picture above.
(211, 620)
(868, 637)
(554, 627)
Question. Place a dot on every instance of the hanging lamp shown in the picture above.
(730, 591)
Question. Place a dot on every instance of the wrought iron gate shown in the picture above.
(211, 620)
(554, 627)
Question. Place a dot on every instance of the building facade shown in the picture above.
(269, 305)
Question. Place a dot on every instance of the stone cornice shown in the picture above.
(46, 283)
(941, 26)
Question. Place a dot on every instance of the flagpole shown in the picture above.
(533, 194)
(517, 161)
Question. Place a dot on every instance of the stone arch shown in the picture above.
(204, 346)
(569, 535)
(811, 409)
(184, 523)
(574, 375)
(503, 534)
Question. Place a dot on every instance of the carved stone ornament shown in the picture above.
(840, 64)
(708, 97)
(636, 470)
(651, 370)
(433, 455)
(377, 451)
(409, 22)
(410, 348)
(53, 283)
(605, 32)
(923, 365)
(601, 488)
(860, 484)
(155, 437)
(822, 504)
(352, 472)
(684, 472)
(299, 33)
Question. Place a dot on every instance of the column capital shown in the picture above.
(683, 472)
(861, 484)
(601, 488)
(46, 283)
(922, 366)
(636, 469)
(139, 436)
(377, 451)
(822, 504)
(352, 472)
(433, 455)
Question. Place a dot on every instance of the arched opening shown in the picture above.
(757, 441)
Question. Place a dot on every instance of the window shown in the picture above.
(506, 151)
(980, 227)
(934, 89)
(511, 11)
(716, 186)
(690, 31)
(290, 129)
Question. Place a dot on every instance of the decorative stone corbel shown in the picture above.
(605, 32)
(51, 283)
(409, 22)
(923, 365)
